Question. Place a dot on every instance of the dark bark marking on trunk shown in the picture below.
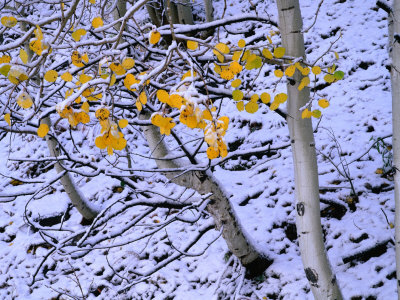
(311, 275)
(300, 209)
(289, 8)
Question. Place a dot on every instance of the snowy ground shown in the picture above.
(262, 189)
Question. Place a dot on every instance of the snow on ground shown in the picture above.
(262, 189)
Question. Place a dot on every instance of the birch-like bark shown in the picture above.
(84, 207)
(394, 53)
(219, 207)
(315, 261)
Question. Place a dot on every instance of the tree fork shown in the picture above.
(219, 207)
(316, 266)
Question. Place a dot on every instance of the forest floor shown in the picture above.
(357, 229)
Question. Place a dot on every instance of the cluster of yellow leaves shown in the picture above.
(37, 44)
(75, 117)
(9, 21)
(213, 135)
(164, 123)
(110, 137)
(16, 74)
(193, 117)
(77, 59)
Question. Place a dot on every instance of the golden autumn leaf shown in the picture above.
(9, 21)
(43, 130)
(51, 75)
(23, 56)
(97, 22)
(192, 45)
(77, 34)
(154, 37)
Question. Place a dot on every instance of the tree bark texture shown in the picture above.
(85, 208)
(394, 53)
(219, 207)
(315, 261)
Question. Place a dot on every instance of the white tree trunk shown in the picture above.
(219, 207)
(85, 208)
(315, 262)
(394, 46)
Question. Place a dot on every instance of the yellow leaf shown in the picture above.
(66, 76)
(306, 114)
(82, 117)
(24, 100)
(123, 123)
(280, 98)
(305, 71)
(143, 98)
(221, 48)
(92, 1)
(274, 105)
(130, 80)
(290, 70)
(102, 114)
(119, 144)
(154, 37)
(5, 59)
(51, 75)
(235, 83)
(113, 79)
(17, 75)
(5, 69)
(192, 45)
(42, 130)
(7, 117)
(251, 107)
(303, 83)
(269, 39)
(162, 96)
(85, 58)
(176, 101)
(278, 73)
(279, 52)
(316, 70)
(23, 56)
(329, 78)
(265, 98)
(117, 69)
(336, 55)
(77, 34)
(9, 21)
(237, 95)
(236, 55)
(76, 59)
(139, 105)
(85, 107)
(189, 74)
(128, 63)
(212, 152)
(240, 106)
(267, 54)
(323, 103)
(83, 78)
(241, 43)
(100, 142)
(97, 22)
(254, 97)
(316, 113)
